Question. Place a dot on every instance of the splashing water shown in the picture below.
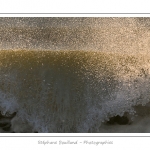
(75, 74)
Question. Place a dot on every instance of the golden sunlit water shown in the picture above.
(65, 75)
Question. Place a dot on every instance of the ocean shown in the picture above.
(74, 75)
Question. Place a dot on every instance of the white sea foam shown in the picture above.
(71, 94)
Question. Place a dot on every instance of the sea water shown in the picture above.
(88, 76)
